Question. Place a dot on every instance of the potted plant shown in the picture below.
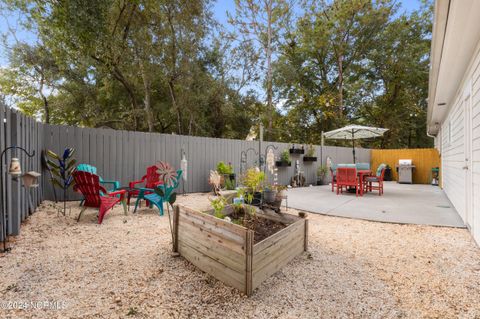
(322, 172)
(227, 175)
(310, 156)
(253, 180)
(284, 159)
(270, 193)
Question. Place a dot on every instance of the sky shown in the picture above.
(222, 6)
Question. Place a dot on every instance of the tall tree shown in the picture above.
(263, 23)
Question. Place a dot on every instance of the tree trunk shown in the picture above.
(46, 108)
(270, 107)
(147, 98)
(131, 94)
(340, 85)
(118, 75)
(175, 106)
(173, 71)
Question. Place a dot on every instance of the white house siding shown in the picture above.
(476, 146)
(453, 157)
(451, 139)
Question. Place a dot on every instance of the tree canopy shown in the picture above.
(168, 66)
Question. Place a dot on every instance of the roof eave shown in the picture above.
(438, 39)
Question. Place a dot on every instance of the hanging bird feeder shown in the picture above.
(30, 179)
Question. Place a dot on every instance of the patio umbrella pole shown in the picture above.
(353, 145)
(353, 151)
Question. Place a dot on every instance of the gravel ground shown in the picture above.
(124, 269)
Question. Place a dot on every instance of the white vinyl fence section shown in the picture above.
(124, 156)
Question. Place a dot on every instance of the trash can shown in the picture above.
(388, 174)
(434, 176)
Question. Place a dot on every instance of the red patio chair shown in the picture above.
(151, 180)
(378, 179)
(334, 178)
(347, 177)
(89, 185)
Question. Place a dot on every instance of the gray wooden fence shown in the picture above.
(17, 129)
(125, 155)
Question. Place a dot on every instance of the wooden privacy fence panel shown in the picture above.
(424, 160)
(124, 155)
(17, 129)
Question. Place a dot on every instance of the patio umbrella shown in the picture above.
(355, 132)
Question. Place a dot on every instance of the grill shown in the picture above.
(405, 169)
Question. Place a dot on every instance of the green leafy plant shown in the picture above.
(253, 179)
(62, 168)
(223, 168)
(322, 171)
(229, 184)
(218, 205)
(285, 156)
(310, 151)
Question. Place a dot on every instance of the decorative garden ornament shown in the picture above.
(215, 180)
(167, 174)
(30, 179)
(15, 168)
(270, 161)
(184, 166)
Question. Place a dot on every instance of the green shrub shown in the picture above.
(223, 168)
(285, 156)
(229, 184)
(218, 204)
(310, 151)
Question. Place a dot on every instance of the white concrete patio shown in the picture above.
(400, 203)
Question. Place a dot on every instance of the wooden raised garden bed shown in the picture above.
(228, 251)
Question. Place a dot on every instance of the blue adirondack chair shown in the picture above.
(93, 170)
(155, 199)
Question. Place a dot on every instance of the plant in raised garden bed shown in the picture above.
(62, 169)
(253, 180)
(218, 205)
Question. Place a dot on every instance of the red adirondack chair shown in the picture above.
(89, 185)
(150, 180)
(347, 177)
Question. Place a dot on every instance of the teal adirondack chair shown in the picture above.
(155, 199)
(93, 170)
